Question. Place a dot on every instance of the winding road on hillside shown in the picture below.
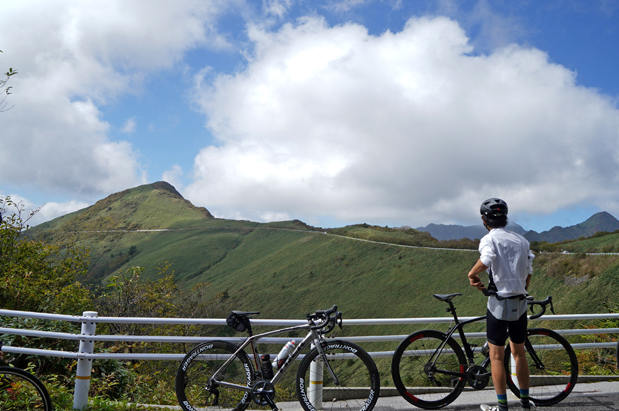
(157, 230)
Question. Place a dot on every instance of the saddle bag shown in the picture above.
(240, 324)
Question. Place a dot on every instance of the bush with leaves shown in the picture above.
(38, 277)
(130, 294)
(35, 276)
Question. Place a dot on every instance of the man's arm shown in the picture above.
(474, 279)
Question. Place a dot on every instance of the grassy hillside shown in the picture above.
(601, 242)
(287, 269)
(151, 206)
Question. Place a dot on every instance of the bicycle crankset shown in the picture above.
(263, 393)
(478, 377)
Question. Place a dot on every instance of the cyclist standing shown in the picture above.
(507, 258)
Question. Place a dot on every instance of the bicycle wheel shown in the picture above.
(553, 367)
(195, 392)
(355, 370)
(22, 391)
(424, 378)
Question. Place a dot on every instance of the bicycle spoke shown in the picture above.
(424, 377)
(195, 388)
(355, 371)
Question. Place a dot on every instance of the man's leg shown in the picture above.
(496, 332)
(518, 335)
(522, 372)
(497, 354)
(522, 368)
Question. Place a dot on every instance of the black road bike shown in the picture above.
(218, 375)
(430, 370)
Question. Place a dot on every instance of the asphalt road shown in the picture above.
(602, 396)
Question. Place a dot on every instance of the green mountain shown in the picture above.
(151, 206)
(454, 231)
(286, 269)
(599, 222)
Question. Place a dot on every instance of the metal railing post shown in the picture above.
(316, 378)
(84, 366)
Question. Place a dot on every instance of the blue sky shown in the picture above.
(333, 112)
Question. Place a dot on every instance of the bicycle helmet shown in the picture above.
(493, 207)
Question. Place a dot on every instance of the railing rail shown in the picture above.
(87, 338)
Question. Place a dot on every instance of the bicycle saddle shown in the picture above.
(446, 297)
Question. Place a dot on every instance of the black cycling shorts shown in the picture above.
(499, 330)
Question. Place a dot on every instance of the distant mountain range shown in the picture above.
(457, 232)
(601, 221)
(161, 206)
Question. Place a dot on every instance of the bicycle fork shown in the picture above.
(529, 348)
(325, 361)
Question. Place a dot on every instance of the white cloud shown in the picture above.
(73, 57)
(278, 8)
(44, 212)
(342, 6)
(51, 210)
(174, 176)
(129, 126)
(406, 128)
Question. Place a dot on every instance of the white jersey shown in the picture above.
(509, 258)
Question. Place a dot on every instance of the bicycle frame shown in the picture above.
(312, 337)
(468, 351)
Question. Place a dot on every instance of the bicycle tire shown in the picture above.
(22, 391)
(193, 375)
(557, 379)
(419, 384)
(359, 380)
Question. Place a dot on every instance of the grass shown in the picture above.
(287, 269)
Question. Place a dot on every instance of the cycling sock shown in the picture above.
(502, 398)
(524, 398)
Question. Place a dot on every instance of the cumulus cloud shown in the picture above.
(174, 176)
(73, 57)
(407, 127)
(51, 210)
(37, 214)
(277, 8)
(129, 126)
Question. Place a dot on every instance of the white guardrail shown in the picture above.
(89, 320)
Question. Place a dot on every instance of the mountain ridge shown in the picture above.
(599, 222)
(456, 232)
(149, 206)
(159, 206)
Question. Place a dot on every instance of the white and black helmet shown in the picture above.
(493, 207)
